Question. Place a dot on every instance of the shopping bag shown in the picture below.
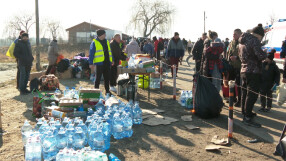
(225, 91)
(208, 102)
(280, 148)
(10, 51)
(281, 94)
(37, 107)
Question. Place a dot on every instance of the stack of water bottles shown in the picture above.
(69, 93)
(154, 83)
(69, 138)
(186, 99)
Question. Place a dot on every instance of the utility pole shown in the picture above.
(38, 65)
(204, 21)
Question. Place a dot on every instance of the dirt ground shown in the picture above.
(164, 142)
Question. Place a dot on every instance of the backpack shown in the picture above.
(49, 82)
(84, 63)
(34, 84)
(63, 65)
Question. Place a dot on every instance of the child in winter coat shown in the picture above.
(270, 78)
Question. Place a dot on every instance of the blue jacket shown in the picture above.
(148, 49)
(92, 50)
(176, 50)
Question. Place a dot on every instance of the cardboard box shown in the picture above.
(148, 64)
(65, 75)
(36, 75)
(70, 103)
(155, 75)
(89, 93)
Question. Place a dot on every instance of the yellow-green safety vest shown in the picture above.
(99, 53)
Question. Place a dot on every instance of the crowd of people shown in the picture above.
(241, 60)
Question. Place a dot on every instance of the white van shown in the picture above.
(273, 39)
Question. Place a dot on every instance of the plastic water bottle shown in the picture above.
(54, 129)
(65, 122)
(106, 130)
(66, 91)
(96, 138)
(107, 96)
(117, 127)
(38, 125)
(137, 114)
(58, 125)
(60, 155)
(112, 157)
(37, 150)
(183, 99)
(29, 151)
(127, 125)
(76, 121)
(84, 129)
(49, 147)
(90, 112)
(62, 139)
(69, 133)
(45, 127)
(26, 130)
(88, 121)
(78, 139)
(100, 109)
(52, 121)
(128, 109)
(58, 92)
(76, 94)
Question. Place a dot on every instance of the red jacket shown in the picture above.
(156, 45)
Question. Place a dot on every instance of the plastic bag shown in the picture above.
(10, 51)
(208, 102)
(131, 62)
(281, 92)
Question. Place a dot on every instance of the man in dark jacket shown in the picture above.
(198, 51)
(23, 53)
(283, 49)
(234, 60)
(117, 56)
(251, 56)
(270, 78)
(175, 51)
(226, 44)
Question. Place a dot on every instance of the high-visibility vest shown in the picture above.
(99, 53)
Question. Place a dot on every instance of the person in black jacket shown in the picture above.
(198, 51)
(23, 53)
(270, 78)
(118, 55)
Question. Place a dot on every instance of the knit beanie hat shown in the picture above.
(100, 32)
(22, 32)
(176, 34)
(258, 30)
(270, 55)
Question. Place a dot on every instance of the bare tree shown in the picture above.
(272, 18)
(152, 15)
(19, 22)
(54, 28)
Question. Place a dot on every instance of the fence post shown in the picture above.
(174, 82)
(230, 115)
(161, 74)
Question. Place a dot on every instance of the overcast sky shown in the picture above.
(223, 16)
